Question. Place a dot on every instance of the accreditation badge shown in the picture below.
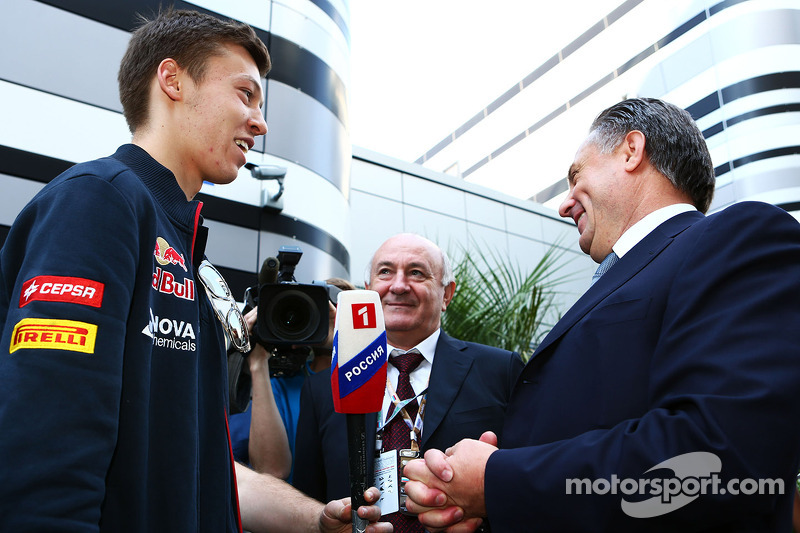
(386, 481)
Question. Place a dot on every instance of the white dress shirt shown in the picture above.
(642, 229)
(419, 376)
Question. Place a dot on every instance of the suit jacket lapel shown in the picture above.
(451, 364)
(634, 261)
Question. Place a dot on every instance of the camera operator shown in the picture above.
(264, 434)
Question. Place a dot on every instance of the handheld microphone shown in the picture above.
(269, 271)
(358, 379)
(267, 275)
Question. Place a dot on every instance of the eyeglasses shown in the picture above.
(225, 306)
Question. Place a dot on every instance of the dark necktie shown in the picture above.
(610, 260)
(396, 435)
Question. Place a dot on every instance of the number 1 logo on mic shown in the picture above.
(364, 316)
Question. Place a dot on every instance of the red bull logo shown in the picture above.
(167, 255)
(164, 281)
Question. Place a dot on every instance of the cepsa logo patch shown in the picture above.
(62, 289)
(54, 334)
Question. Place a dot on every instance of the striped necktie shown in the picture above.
(610, 260)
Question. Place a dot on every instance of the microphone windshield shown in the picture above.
(358, 366)
(269, 271)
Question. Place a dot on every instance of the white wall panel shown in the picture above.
(484, 211)
(525, 252)
(316, 201)
(374, 220)
(441, 229)
(16, 193)
(556, 231)
(723, 196)
(485, 238)
(306, 25)
(377, 180)
(233, 247)
(253, 12)
(768, 178)
(304, 131)
(65, 54)
(523, 223)
(754, 140)
(314, 265)
(433, 196)
(761, 100)
(58, 127)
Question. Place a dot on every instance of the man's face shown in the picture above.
(595, 200)
(407, 274)
(221, 118)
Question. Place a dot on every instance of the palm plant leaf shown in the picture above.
(499, 304)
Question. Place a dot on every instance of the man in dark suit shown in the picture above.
(467, 384)
(668, 397)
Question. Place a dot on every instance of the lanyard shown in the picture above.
(400, 407)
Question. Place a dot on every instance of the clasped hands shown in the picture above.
(446, 489)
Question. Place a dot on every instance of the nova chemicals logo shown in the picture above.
(170, 333)
(364, 316)
(694, 475)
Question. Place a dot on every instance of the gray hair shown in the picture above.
(674, 144)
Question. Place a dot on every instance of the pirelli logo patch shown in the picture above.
(54, 334)
(62, 289)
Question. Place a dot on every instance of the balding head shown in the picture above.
(415, 282)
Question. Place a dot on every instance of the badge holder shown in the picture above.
(405, 456)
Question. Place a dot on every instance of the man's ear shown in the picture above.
(449, 291)
(633, 148)
(170, 79)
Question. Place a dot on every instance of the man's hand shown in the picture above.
(270, 504)
(335, 517)
(446, 489)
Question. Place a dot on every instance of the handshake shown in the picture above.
(446, 489)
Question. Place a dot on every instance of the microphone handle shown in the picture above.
(357, 458)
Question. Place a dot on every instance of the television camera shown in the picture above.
(292, 318)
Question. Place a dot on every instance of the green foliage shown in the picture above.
(497, 303)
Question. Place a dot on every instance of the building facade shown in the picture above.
(733, 64)
(59, 105)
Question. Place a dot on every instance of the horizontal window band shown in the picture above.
(710, 103)
(292, 65)
(752, 158)
(238, 280)
(119, 16)
(43, 169)
(555, 60)
(728, 122)
(561, 186)
(260, 219)
(335, 16)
